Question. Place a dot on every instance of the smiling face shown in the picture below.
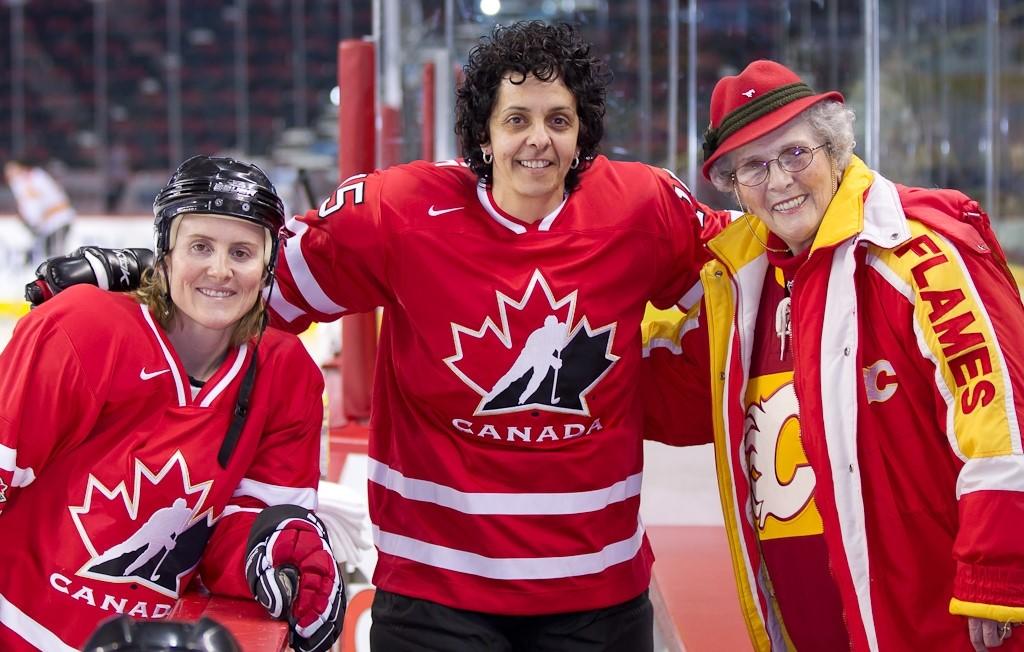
(533, 132)
(215, 272)
(792, 204)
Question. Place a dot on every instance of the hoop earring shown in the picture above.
(487, 157)
(575, 162)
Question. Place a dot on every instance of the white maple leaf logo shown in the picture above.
(536, 351)
(134, 508)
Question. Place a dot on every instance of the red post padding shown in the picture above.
(356, 154)
(427, 123)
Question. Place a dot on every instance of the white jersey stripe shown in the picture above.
(8, 458)
(304, 279)
(228, 377)
(273, 494)
(23, 477)
(509, 568)
(280, 305)
(549, 219)
(515, 504)
(235, 509)
(24, 626)
(178, 384)
(485, 201)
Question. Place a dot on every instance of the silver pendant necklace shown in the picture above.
(783, 324)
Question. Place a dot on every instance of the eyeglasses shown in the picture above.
(792, 159)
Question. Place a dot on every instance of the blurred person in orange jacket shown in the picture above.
(42, 205)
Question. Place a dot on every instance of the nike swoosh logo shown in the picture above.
(146, 375)
(433, 212)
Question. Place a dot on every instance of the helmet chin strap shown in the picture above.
(230, 189)
(241, 411)
(172, 233)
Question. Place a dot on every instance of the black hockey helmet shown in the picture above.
(123, 634)
(218, 186)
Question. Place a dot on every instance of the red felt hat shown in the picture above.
(765, 96)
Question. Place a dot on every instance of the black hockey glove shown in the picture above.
(293, 574)
(111, 269)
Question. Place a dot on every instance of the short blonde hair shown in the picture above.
(155, 294)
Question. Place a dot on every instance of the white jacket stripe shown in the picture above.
(691, 297)
(24, 626)
(518, 504)
(1003, 473)
(509, 568)
(305, 282)
(273, 494)
(839, 378)
(672, 345)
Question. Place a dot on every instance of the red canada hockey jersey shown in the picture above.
(112, 496)
(506, 448)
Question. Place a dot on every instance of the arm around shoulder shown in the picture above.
(675, 378)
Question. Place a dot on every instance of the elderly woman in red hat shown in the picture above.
(867, 388)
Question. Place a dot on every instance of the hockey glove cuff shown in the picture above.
(110, 269)
(293, 574)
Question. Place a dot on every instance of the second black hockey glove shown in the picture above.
(293, 574)
(110, 269)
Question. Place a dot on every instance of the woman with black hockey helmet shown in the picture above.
(206, 188)
(139, 445)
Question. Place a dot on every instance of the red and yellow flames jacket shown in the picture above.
(909, 376)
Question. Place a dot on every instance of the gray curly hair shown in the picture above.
(831, 121)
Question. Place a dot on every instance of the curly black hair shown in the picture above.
(547, 52)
